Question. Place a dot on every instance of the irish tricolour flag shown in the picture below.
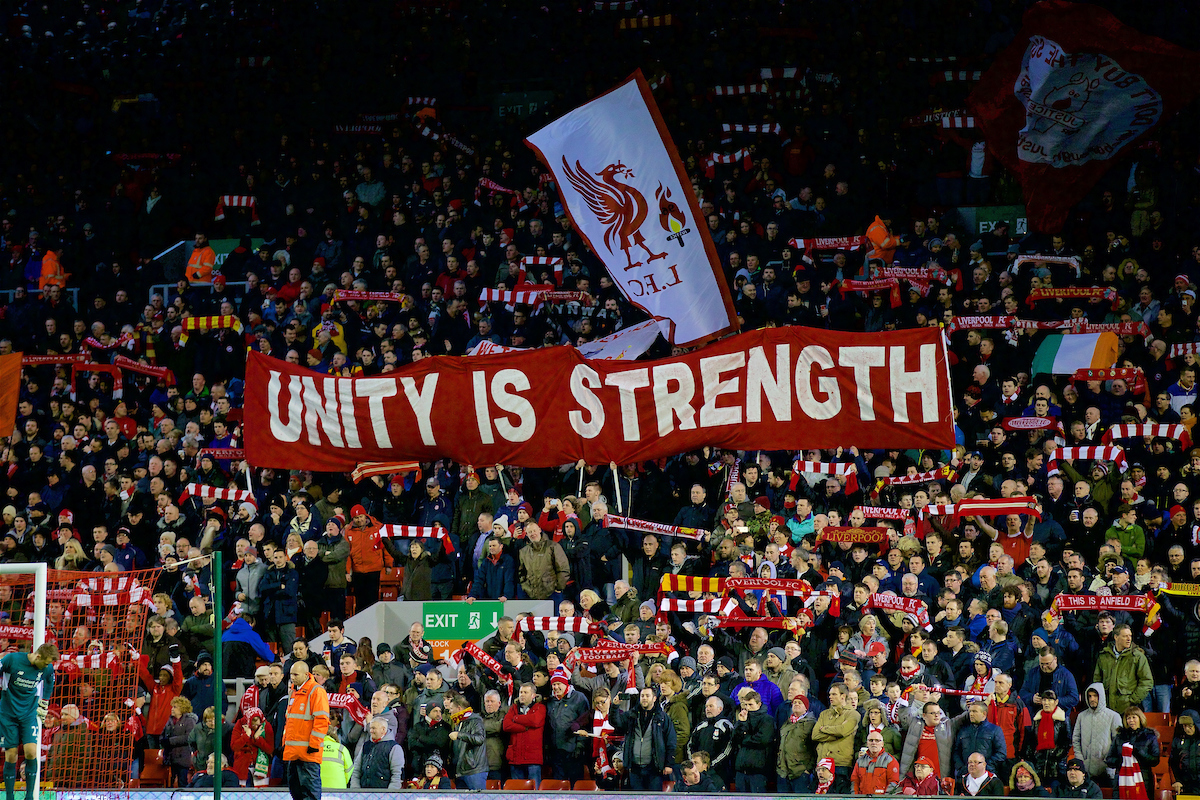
(1063, 353)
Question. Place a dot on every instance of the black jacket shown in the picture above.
(754, 738)
(654, 724)
(1087, 789)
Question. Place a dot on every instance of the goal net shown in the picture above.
(99, 713)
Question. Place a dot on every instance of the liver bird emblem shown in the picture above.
(618, 206)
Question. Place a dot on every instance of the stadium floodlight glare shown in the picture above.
(39, 572)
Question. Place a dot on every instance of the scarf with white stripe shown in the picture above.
(646, 526)
(236, 201)
(212, 492)
(847, 469)
(1114, 453)
(417, 532)
(368, 469)
(560, 624)
(1130, 784)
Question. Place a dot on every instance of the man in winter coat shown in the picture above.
(1095, 728)
(469, 743)
(525, 724)
(388, 670)
(875, 772)
(544, 568)
(650, 743)
(366, 556)
(568, 712)
(931, 734)
(278, 592)
(771, 696)
(248, 579)
(1124, 671)
(496, 575)
(978, 735)
(834, 732)
(1048, 738)
(1078, 784)
(797, 758)
(334, 550)
(312, 575)
(493, 727)
(714, 735)
(470, 503)
(1051, 676)
(754, 732)
(429, 736)
(1008, 711)
(378, 760)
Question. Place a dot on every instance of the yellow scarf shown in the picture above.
(460, 716)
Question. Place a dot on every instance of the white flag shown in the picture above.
(612, 159)
(626, 344)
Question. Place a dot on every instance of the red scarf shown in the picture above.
(601, 729)
(1045, 732)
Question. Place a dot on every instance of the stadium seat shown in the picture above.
(668, 786)
(518, 785)
(1166, 794)
(154, 773)
(351, 605)
(388, 592)
(586, 786)
(1160, 719)
(552, 785)
(1106, 792)
(493, 784)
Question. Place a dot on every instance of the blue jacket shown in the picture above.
(240, 631)
(1062, 682)
(772, 698)
(985, 738)
(1004, 654)
(277, 593)
(494, 580)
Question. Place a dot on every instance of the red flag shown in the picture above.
(10, 392)
(1075, 89)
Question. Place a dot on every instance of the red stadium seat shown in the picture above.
(154, 773)
(586, 786)
(1159, 719)
(518, 785)
(552, 785)
(493, 784)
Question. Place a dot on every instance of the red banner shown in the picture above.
(778, 388)
(1072, 92)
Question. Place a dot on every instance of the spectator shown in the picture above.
(525, 723)
(1025, 782)
(875, 771)
(713, 735)
(567, 712)
(1047, 739)
(1124, 670)
(469, 743)
(176, 750)
(650, 744)
(429, 736)
(754, 731)
(1146, 749)
(978, 735)
(1096, 727)
(279, 590)
(378, 760)
(978, 780)
(252, 745)
(493, 727)
(932, 734)
(544, 570)
(1050, 676)
(205, 779)
(1077, 784)
(922, 780)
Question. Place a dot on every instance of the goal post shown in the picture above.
(40, 572)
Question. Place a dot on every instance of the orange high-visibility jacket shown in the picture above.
(883, 246)
(200, 265)
(307, 723)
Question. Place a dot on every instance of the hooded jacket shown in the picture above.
(525, 729)
(875, 775)
(1146, 751)
(544, 569)
(1094, 731)
(945, 731)
(1185, 755)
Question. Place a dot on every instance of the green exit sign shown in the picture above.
(457, 620)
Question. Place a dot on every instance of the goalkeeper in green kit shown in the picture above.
(28, 682)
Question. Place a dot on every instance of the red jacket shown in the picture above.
(876, 780)
(366, 547)
(245, 748)
(159, 709)
(1012, 717)
(525, 732)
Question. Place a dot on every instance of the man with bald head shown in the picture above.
(304, 733)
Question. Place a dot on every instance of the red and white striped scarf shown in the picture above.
(646, 526)
(236, 201)
(351, 705)
(848, 469)
(212, 492)
(1185, 348)
(958, 122)
(416, 532)
(738, 89)
(360, 128)
(560, 624)
(546, 261)
(602, 729)
(368, 469)
(722, 606)
(920, 477)
(531, 295)
(421, 101)
(982, 507)
(212, 323)
(745, 155)
(1113, 452)
(492, 664)
(778, 73)
(124, 340)
(1132, 430)
(1130, 783)
(772, 623)
(955, 76)
(850, 243)
(730, 128)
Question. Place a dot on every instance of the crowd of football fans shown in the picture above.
(845, 698)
